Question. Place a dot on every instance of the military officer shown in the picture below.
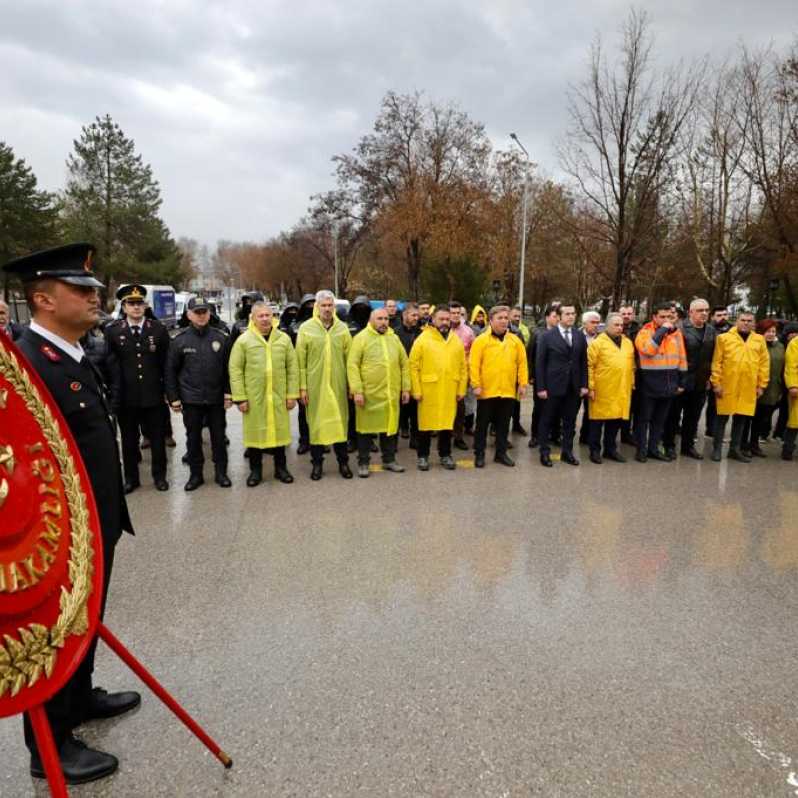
(198, 385)
(61, 292)
(137, 352)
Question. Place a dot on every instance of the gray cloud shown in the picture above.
(239, 107)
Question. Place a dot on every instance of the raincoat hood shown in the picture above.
(306, 305)
(476, 311)
(289, 315)
(360, 311)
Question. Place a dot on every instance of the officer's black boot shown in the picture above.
(281, 471)
(194, 481)
(717, 437)
(788, 448)
(735, 449)
(221, 479)
(255, 468)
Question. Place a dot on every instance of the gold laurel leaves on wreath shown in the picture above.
(25, 659)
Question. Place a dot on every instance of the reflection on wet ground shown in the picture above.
(613, 630)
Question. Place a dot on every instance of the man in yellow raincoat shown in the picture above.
(740, 373)
(379, 378)
(791, 384)
(610, 379)
(264, 379)
(439, 380)
(322, 347)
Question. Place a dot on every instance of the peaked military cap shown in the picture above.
(132, 291)
(198, 303)
(70, 264)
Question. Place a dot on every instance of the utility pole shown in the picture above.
(522, 267)
(335, 229)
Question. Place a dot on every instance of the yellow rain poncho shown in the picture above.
(438, 376)
(321, 355)
(377, 367)
(611, 374)
(791, 380)
(739, 367)
(265, 374)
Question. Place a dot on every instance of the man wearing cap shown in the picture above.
(137, 352)
(61, 292)
(198, 386)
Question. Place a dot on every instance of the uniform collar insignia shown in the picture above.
(50, 353)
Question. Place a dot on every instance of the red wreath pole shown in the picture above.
(116, 646)
(47, 752)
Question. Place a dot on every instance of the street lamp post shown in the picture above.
(523, 224)
(335, 226)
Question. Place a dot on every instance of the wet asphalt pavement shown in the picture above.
(614, 630)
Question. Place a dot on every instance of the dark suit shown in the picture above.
(89, 417)
(136, 366)
(561, 371)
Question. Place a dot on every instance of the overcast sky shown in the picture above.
(239, 106)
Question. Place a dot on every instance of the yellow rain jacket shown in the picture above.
(498, 367)
(377, 368)
(438, 376)
(791, 380)
(321, 355)
(611, 374)
(739, 367)
(265, 374)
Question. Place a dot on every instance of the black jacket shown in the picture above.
(559, 367)
(83, 398)
(407, 335)
(700, 349)
(359, 314)
(196, 369)
(136, 366)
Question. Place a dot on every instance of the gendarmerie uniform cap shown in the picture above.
(132, 291)
(70, 264)
(198, 303)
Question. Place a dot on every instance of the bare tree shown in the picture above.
(625, 130)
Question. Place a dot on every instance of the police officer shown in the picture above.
(61, 292)
(198, 385)
(137, 352)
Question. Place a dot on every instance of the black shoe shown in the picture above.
(79, 763)
(757, 452)
(194, 481)
(569, 458)
(533, 442)
(615, 457)
(131, 486)
(738, 456)
(161, 484)
(459, 443)
(317, 473)
(103, 704)
(255, 478)
(222, 480)
(595, 457)
(655, 454)
(519, 430)
(545, 460)
(692, 453)
(303, 448)
(786, 455)
(479, 461)
(670, 452)
(344, 470)
(504, 459)
(282, 474)
(641, 457)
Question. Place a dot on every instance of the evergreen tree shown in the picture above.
(113, 200)
(27, 215)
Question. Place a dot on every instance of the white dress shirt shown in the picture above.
(75, 351)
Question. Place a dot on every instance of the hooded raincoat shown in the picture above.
(611, 374)
(321, 355)
(739, 367)
(477, 328)
(265, 374)
(377, 368)
(791, 380)
(438, 376)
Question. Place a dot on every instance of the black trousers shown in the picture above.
(739, 424)
(584, 429)
(610, 427)
(317, 452)
(425, 443)
(790, 434)
(497, 411)
(564, 408)
(151, 419)
(459, 420)
(408, 418)
(628, 425)
(650, 422)
(387, 448)
(65, 710)
(685, 411)
(304, 429)
(784, 414)
(195, 417)
(759, 426)
(712, 414)
(256, 456)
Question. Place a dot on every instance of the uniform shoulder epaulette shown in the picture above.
(180, 331)
(221, 332)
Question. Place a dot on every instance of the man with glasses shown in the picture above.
(740, 374)
(699, 343)
(137, 352)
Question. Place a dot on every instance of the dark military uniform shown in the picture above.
(136, 365)
(197, 376)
